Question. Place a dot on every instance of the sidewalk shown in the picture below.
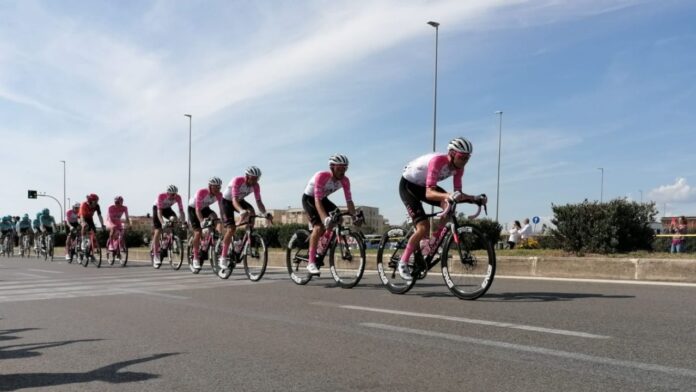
(637, 269)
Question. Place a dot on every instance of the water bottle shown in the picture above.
(425, 246)
(238, 246)
(323, 243)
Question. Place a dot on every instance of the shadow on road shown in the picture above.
(546, 297)
(13, 331)
(110, 373)
(30, 349)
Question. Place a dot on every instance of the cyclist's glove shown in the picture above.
(358, 219)
(269, 216)
(455, 197)
(481, 199)
(327, 221)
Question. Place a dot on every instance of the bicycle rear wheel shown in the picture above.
(468, 265)
(347, 259)
(255, 257)
(391, 247)
(176, 253)
(296, 257)
(97, 256)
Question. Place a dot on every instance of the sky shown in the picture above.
(282, 85)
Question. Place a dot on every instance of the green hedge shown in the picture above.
(612, 227)
(489, 227)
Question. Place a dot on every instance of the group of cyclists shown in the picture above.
(14, 228)
(418, 185)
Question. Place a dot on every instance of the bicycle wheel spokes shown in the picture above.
(468, 266)
(296, 257)
(391, 247)
(347, 259)
(255, 257)
(176, 253)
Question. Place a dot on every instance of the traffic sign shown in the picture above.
(536, 220)
(31, 194)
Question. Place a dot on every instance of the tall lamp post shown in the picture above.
(500, 139)
(62, 218)
(189, 168)
(436, 25)
(641, 195)
(601, 186)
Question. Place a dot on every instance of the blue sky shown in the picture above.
(284, 84)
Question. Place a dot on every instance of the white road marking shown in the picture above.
(672, 371)
(42, 270)
(479, 322)
(609, 281)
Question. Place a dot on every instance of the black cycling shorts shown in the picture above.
(193, 218)
(229, 210)
(311, 209)
(413, 195)
(166, 212)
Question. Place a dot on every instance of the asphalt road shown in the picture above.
(68, 328)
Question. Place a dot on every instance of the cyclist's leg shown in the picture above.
(157, 227)
(196, 227)
(230, 227)
(317, 227)
(412, 195)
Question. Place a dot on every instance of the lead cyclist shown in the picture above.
(419, 184)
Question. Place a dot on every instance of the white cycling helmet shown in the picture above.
(215, 181)
(461, 145)
(338, 159)
(76, 205)
(253, 171)
(172, 189)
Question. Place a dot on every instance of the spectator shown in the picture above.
(679, 229)
(514, 234)
(526, 231)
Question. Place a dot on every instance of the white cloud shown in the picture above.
(679, 192)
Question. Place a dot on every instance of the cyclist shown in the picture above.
(113, 219)
(317, 205)
(87, 210)
(199, 209)
(6, 228)
(72, 219)
(419, 184)
(23, 226)
(36, 227)
(162, 209)
(233, 200)
(46, 223)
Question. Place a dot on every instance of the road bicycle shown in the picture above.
(7, 244)
(465, 254)
(170, 248)
(345, 247)
(206, 248)
(116, 249)
(90, 250)
(47, 243)
(25, 245)
(251, 251)
(72, 244)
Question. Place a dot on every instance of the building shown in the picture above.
(373, 219)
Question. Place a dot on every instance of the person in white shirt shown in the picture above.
(526, 231)
(514, 234)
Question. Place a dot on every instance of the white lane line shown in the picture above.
(43, 270)
(479, 322)
(672, 371)
(75, 282)
(146, 292)
(33, 276)
(609, 281)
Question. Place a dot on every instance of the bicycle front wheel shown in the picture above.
(176, 253)
(347, 259)
(391, 247)
(97, 256)
(221, 273)
(297, 256)
(124, 255)
(468, 265)
(255, 257)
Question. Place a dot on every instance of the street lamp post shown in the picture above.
(189, 168)
(436, 25)
(500, 139)
(641, 195)
(601, 186)
(62, 218)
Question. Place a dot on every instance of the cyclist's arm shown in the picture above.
(237, 205)
(127, 217)
(99, 215)
(182, 215)
(351, 208)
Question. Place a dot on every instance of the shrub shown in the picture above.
(489, 227)
(616, 226)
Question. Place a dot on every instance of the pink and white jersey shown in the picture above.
(72, 216)
(429, 169)
(239, 189)
(322, 184)
(203, 199)
(165, 201)
(115, 213)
